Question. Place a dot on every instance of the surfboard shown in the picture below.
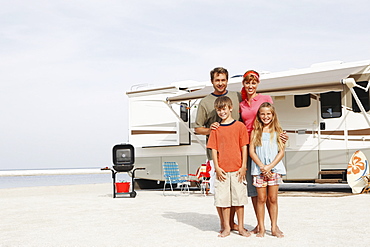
(358, 166)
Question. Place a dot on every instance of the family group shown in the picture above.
(245, 147)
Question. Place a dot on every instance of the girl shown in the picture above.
(267, 150)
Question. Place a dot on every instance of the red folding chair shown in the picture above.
(202, 177)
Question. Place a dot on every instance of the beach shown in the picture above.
(88, 215)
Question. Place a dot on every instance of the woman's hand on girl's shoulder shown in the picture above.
(284, 137)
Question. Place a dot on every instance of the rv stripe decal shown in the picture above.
(146, 132)
(360, 132)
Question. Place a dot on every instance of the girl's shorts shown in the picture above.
(261, 180)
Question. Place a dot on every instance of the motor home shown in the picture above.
(323, 108)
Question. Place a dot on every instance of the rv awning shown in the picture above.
(311, 80)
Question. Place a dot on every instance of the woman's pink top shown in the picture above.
(248, 111)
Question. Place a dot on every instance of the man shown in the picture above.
(207, 116)
(206, 113)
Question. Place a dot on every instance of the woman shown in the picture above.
(249, 106)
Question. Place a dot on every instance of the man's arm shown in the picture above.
(203, 130)
(200, 121)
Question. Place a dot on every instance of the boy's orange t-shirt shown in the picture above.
(228, 140)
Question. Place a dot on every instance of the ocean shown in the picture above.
(55, 177)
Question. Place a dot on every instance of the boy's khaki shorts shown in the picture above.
(230, 192)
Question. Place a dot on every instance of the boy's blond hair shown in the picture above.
(223, 101)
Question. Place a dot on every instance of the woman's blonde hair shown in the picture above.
(274, 127)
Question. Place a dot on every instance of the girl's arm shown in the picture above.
(243, 170)
(277, 159)
(254, 156)
(220, 173)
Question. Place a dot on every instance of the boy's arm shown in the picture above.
(243, 170)
(220, 173)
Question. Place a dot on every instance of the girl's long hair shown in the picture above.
(274, 127)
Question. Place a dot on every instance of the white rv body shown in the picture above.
(321, 137)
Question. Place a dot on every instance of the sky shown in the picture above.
(65, 66)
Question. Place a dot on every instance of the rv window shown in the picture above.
(331, 106)
(363, 97)
(302, 100)
(184, 112)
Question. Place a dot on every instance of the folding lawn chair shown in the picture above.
(205, 177)
(172, 176)
(202, 178)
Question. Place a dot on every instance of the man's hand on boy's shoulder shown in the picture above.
(215, 125)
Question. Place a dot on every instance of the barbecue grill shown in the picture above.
(123, 161)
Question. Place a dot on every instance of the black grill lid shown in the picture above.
(123, 154)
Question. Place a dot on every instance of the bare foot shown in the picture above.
(277, 232)
(255, 230)
(260, 234)
(235, 227)
(244, 233)
(223, 234)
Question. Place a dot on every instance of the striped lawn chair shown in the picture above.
(172, 176)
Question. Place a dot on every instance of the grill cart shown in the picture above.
(123, 161)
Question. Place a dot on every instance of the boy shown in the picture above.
(229, 153)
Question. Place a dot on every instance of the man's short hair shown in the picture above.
(223, 101)
(219, 70)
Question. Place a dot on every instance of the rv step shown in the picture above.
(332, 172)
(331, 181)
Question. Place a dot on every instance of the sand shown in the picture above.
(87, 215)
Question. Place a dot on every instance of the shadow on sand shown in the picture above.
(204, 222)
